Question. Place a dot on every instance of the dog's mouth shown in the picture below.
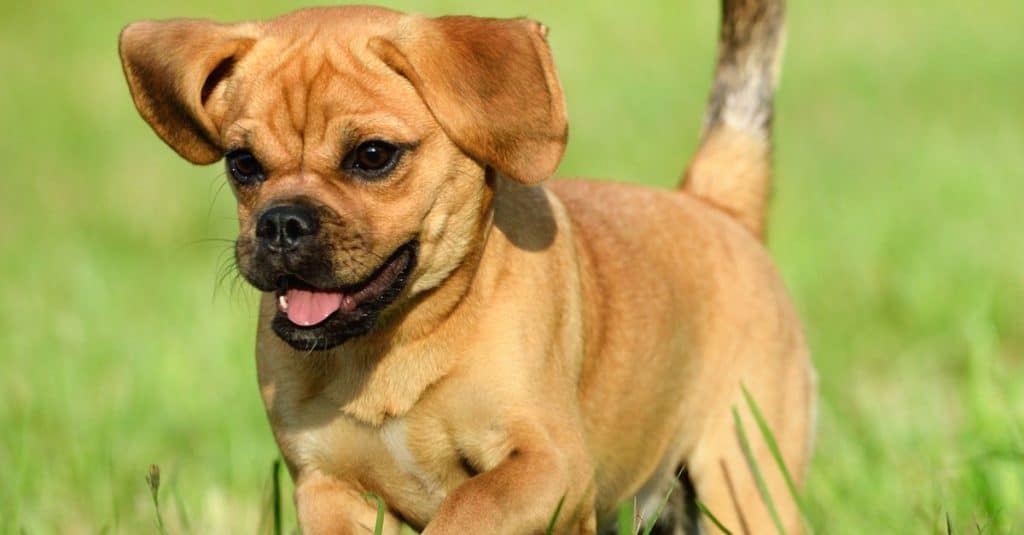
(310, 318)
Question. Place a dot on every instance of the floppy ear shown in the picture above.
(176, 71)
(491, 85)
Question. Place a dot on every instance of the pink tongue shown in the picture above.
(307, 308)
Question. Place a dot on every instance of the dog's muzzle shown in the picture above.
(293, 257)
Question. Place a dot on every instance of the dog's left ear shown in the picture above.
(491, 85)
(177, 72)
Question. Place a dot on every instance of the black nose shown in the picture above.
(282, 228)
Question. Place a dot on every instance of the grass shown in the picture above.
(153, 480)
(554, 517)
(895, 223)
(773, 447)
(755, 469)
(712, 518)
(378, 526)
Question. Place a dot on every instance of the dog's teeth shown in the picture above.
(282, 303)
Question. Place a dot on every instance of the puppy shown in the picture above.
(487, 354)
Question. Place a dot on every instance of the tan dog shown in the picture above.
(438, 329)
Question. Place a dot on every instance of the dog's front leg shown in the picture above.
(327, 506)
(521, 495)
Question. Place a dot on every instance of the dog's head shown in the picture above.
(357, 141)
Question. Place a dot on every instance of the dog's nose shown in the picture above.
(282, 228)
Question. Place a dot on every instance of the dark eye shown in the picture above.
(243, 167)
(373, 158)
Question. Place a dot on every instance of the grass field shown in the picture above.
(897, 222)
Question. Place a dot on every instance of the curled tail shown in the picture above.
(732, 167)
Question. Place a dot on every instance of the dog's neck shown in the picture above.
(387, 373)
(383, 374)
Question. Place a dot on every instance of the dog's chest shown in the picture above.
(395, 437)
(404, 460)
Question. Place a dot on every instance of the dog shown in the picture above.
(486, 353)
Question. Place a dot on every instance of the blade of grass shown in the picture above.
(756, 470)
(657, 513)
(626, 515)
(153, 480)
(773, 446)
(714, 519)
(378, 527)
(275, 493)
(179, 503)
(554, 517)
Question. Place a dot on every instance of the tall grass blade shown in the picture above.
(378, 528)
(756, 470)
(657, 514)
(554, 517)
(179, 504)
(773, 446)
(714, 519)
(275, 493)
(153, 480)
(949, 525)
(626, 516)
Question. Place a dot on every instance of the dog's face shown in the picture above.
(356, 140)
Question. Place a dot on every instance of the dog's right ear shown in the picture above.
(177, 71)
(490, 83)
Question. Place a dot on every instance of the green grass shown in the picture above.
(755, 469)
(896, 223)
(712, 518)
(378, 526)
(773, 447)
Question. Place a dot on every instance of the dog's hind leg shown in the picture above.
(724, 477)
(679, 515)
(667, 500)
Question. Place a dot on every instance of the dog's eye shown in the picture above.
(244, 167)
(373, 158)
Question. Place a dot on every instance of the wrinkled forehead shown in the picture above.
(310, 83)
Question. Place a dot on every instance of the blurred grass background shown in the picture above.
(896, 222)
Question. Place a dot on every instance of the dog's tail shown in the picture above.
(732, 167)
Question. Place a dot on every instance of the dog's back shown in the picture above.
(715, 315)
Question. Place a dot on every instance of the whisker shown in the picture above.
(227, 265)
(316, 341)
(201, 241)
(222, 179)
(237, 285)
